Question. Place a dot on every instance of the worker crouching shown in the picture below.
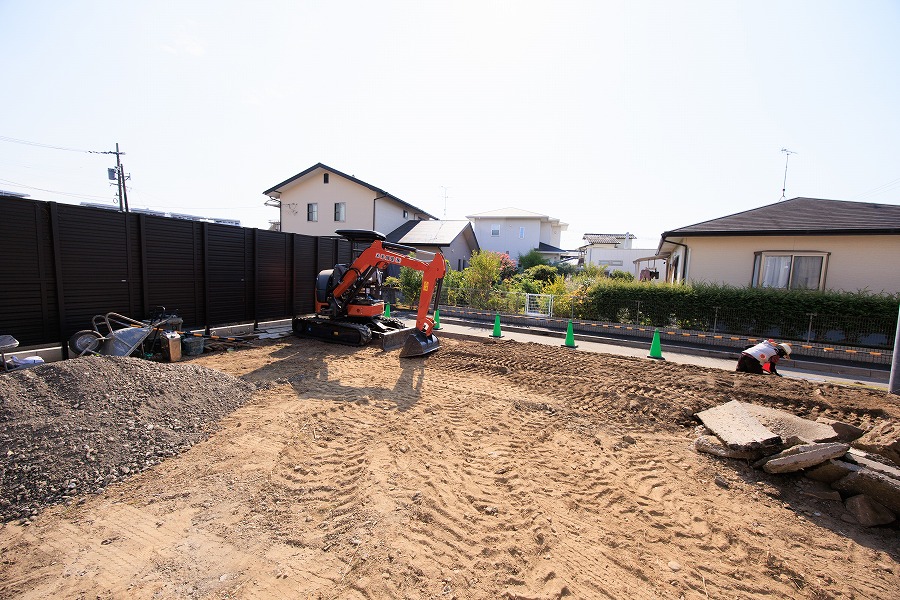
(763, 357)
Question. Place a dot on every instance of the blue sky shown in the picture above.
(614, 117)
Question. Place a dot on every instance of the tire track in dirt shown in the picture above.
(486, 470)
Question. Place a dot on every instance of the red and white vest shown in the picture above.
(763, 351)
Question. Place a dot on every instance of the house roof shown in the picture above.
(517, 213)
(542, 247)
(275, 191)
(801, 216)
(607, 238)
(428, 233)
(508, 212)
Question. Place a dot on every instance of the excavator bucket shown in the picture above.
(419, 344)
(392, 340)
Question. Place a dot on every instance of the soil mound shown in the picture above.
(73, 427)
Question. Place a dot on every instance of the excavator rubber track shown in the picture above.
(336, 332)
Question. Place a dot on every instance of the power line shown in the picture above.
(30, 187)
(881, 189)
(4, 138)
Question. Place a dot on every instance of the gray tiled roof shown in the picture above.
(542, 247)
(606, 238)
(428, 233)
(802, 216)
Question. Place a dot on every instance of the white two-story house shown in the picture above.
(517, 232)
(320, 200)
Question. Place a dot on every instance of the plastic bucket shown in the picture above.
(192, 346)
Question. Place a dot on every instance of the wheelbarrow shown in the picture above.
(116, 335)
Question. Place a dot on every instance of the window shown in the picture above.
(325, 178)
(787, 270)
(340, 211)
(312, 211)
(405, 214)
(495, 231)
(521, 233)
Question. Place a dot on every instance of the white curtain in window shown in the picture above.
(807, 272)
(776, 271)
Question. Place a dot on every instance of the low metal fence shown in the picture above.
(807, 329)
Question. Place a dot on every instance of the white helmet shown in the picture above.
(786, 348)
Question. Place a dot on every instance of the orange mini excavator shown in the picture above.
(349, 308)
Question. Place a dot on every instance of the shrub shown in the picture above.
(532, 258)
(543, 273)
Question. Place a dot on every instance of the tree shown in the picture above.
(483, 270)
(532, 258)
(508, 266)
(410, 285)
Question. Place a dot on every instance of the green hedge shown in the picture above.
(757, 311)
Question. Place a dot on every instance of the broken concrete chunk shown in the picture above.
(710, 444)
(788, 425)
(803, 457)
(870, 461)
(868, 512)
(877, 486)
(845, 431)
(883, 439)
(738, 429)
(829, 471)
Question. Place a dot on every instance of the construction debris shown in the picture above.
(737, 428)
(860, 466)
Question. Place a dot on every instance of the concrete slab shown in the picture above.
(803, 457)
(788, 425)
(830, 471)
(863, 459)
(738, 429)
(846, 432)
(877, 486)
(710, 444)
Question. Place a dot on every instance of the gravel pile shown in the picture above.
(73, 427)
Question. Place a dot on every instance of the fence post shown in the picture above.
(809, 331)
(894, 383)
(715, 319)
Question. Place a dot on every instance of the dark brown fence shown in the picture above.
(62, 264)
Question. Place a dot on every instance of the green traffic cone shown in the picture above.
(570, 337)
(496, 333)
(437, 319)
(655, 349)
(387, 310)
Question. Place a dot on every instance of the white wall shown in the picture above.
(509, 240)
(625, 257)
(296, 196)
(389, 215)
(364, 209)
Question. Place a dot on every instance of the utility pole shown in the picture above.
(787, 157)
(445, 201)
(120, 179)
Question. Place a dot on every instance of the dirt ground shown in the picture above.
(489, 469)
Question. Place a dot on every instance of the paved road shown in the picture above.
(819, 372)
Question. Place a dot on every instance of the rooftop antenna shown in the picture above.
(787, 156)
(445, 201)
